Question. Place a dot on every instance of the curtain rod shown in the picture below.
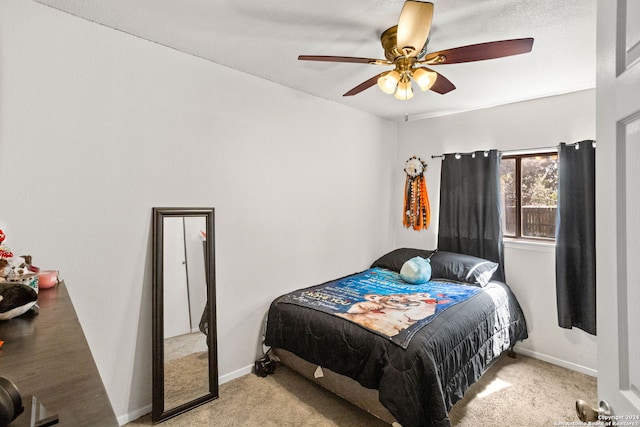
(525, 150)
(510, 152)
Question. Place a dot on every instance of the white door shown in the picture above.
(175, 295)
(196, 273)
(618, 207)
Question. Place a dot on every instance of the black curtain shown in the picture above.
(470, 221)
(576, 237)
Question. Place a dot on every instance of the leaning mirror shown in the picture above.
(185, 372)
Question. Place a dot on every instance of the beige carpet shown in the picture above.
(514, 392)
(179, 387)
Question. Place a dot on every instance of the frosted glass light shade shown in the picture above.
(404, 91)
(388, 81)
(425, 78)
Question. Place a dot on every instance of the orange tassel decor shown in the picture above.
(417, 212)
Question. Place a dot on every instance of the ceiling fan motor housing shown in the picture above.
(390, 45)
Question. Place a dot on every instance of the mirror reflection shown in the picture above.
(185, 373)
(184, 295)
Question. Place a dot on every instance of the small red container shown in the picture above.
(47, 279)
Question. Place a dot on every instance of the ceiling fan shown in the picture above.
(405, 48)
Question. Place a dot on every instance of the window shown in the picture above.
(529, 195)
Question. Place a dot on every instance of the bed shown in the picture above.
(411, 367)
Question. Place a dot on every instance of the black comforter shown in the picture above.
(419, 384)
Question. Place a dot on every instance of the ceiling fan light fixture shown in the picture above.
(425, 78)
(404, 91)
(388, 81)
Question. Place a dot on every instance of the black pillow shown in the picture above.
(396, 258)
(444, 265)
(462, 268)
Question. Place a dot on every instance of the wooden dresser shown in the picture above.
(47, 356)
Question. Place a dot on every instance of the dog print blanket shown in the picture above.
(380, 301)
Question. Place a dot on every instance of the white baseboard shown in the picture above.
(556, 361)
(235, 374)
(135, 414)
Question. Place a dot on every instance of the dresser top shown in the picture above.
(45, 353)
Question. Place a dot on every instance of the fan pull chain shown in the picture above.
(406, 113)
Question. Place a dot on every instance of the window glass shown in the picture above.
(529, 186)
(539, 196)
(508, 190)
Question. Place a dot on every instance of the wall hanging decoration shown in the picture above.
(417, 212)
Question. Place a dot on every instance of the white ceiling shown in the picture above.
(264, 38)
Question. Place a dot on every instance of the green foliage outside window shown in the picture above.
(529, 185)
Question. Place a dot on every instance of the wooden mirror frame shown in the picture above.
(158, 399)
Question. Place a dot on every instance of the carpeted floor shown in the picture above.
(514, 392)
(177, 373)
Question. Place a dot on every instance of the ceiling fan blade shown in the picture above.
(479, 52)
(326, 58)
(364, 85)
(414, 25)
(442, 85)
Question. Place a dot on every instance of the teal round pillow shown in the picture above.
(416, 271)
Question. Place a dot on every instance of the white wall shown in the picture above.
(97, 127)
(530, 268)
